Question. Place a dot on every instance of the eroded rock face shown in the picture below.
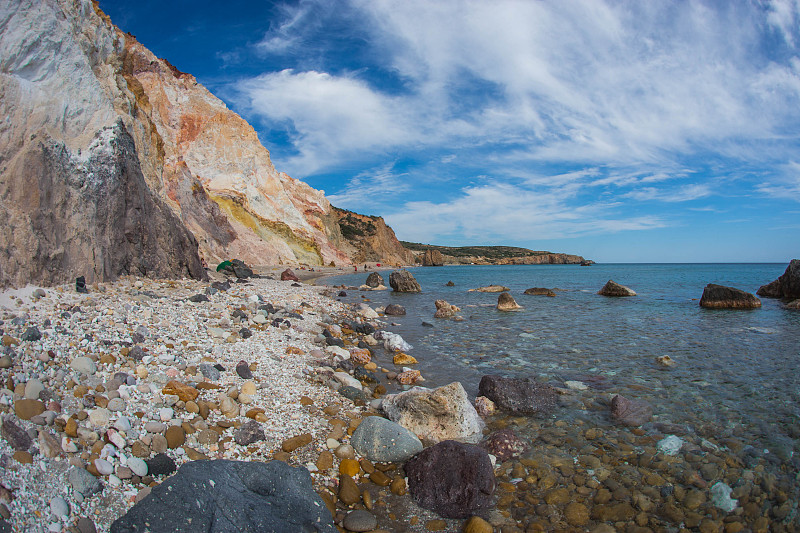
(506, 302)
(222, 495)
(374, 280)
(614, 289)
(519, 395)
(453, 479)
(721, 297)
(786, 286)
(436, 415)
(432, 258)
(403, 281)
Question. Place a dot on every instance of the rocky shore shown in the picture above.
(105, 395)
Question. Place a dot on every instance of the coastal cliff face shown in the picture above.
(114, 162)
(430, 255)
(369, 239)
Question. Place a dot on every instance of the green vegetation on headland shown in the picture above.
(488, 252)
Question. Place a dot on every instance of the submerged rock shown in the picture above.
(630, 412)
(721, 297)
(613, 288)
(436, 415)
(504, 444)
(221, 496)
(403, 281)
(453, 479)
(786, 286)
(491, 288)
(519, 395)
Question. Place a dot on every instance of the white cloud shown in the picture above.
(682, 194)
(364, 189)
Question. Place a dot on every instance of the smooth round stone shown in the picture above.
(99, 417)
(360, 520)
(116, 404)
(59, 507)
(137, 466)
(249, 388)
(345, 451)
(332, 444)
(123, 472)
(159, 443)
(114, 481)
(32, 389)
(166, 414)
(5, 361)
(155, 427)
(103, 467)
(245, 398)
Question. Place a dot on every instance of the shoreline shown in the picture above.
(178, 337)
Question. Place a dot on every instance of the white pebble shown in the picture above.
(59, 507)
(332, 444)
(99, 417)
(114, 481)
(68, 445)
(123, 423)
(165, 413)
(137, 466)
(104, 467)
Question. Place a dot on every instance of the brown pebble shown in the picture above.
(367, 497)
(140, 449)
(380, 479)
(366, 465)
(194, 455)
(349, 493)
(576, 514)
(281, 456)
(325, 461)
(26, 409)
(398, 486)
(175, 436)
(476, 524)
(435, 525)
(290, 445)
(305, 400)
(349, 467)
(23, 457)
(71, 428)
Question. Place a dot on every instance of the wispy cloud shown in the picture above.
(362, 190)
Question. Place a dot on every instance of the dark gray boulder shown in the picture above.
(721, 297)
(224, 496)
(540, 291)
(786, 286)
(403, 281)
(394, 310)
(454, 479)
(374, 280)
(519, 395)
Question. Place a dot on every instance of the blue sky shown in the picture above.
(621, 131)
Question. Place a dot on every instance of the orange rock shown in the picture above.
(181, 390)
(293, 350)
(409, 377)
(360, 356)
(349, 467)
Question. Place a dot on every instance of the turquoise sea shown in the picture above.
(736, 371)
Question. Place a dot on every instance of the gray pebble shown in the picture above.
(59, 506)
(83, 482)
(360, 520)
(85, 525)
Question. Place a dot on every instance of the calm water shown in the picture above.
(736, 373)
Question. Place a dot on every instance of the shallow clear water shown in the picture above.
(736, 372)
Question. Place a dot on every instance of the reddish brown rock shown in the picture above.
(184, 392)
(288, 275)
(630, 412)
(504, 444)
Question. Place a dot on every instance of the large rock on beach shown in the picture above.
(612, 288)
(432, 258)
(453, 479)
(436, 415)
(786, 286)
(379, 439)
(519, 395)
(506, 302)
(227, 496)
(721, 297)
(374, 280)
(288, 275)
(403, 281)
(630, 412)
(237, 268)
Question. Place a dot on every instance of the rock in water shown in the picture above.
(504, 444)
(491, 288)
(721, 297)
(630, 412)
(379, 439)
(453, 479)
(539, 291)
(519, 395)
(444, 309)
(786, 286)
(613, 288)
(506, 302)
(288, 275)
(374, 280)
(436, 415)
(403, 281)
(226, 496)
(432, 258)
(394, 310)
